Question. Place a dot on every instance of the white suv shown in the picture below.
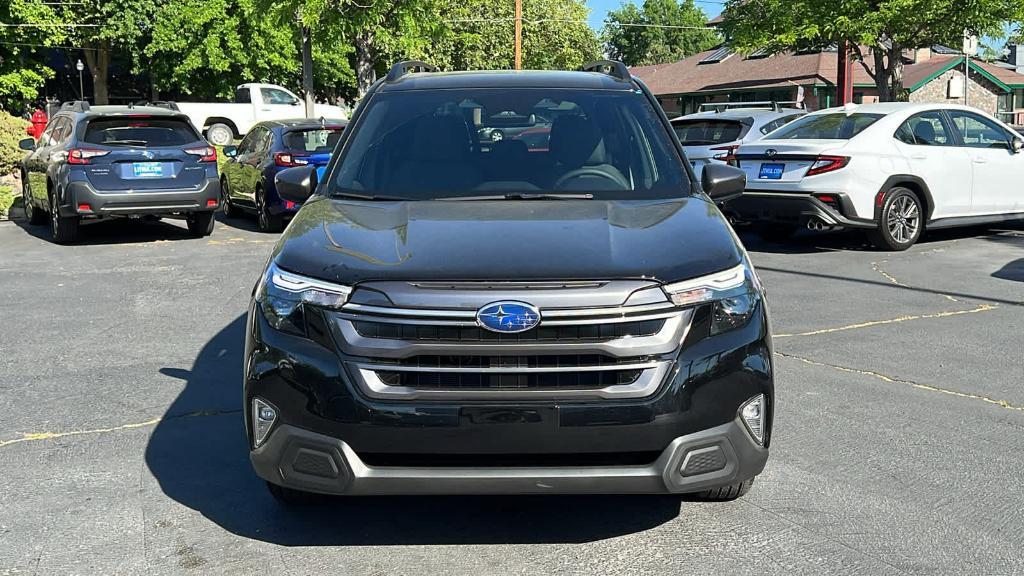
(891, 169)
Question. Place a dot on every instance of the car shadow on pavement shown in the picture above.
(198, 454)
(117, 231)
(244, 221)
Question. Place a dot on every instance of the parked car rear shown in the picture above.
(106, 161)
(248, 179)
(714, 136)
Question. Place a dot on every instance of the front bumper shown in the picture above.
(305, 460)
(794, 209)
(123, 203)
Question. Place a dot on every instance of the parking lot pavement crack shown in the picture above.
(38, 436)
(893, 380)
(824, 536)
(877, 267)
(896, 320)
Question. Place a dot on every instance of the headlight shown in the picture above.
(734, 293)
(283, 293)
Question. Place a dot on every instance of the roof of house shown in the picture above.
(737, 72)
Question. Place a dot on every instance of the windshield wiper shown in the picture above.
(371, 197)
(522, 196)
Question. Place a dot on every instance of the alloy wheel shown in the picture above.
(261, 211)
(903, 219)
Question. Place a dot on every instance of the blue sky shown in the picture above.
(598, 8)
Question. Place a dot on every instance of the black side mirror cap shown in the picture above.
(230, 151)
(27, 144)
(722, 183)
(296, 184)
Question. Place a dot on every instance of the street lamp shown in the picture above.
(81, 86)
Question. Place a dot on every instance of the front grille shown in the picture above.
(622, 348)
(577, 333)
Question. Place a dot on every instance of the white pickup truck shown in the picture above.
(223, 122)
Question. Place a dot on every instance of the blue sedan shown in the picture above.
(247, 179)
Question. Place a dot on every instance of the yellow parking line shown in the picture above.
(892, 380)
(877, 267)
(37, 436)
(51, 435)
(897, 320)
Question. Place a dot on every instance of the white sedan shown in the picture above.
(891, 169)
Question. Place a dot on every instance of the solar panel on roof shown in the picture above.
(761, 53)
(717, 56)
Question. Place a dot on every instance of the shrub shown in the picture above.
(12, 129)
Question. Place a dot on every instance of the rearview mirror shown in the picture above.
(296, 184)
(722, 183)
(230, 151)
(1016, 144)
(27, 144)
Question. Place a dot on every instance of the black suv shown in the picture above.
(454, 315)
(96, 162)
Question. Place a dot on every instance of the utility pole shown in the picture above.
(519, 34)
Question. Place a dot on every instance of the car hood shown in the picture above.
(353, 241)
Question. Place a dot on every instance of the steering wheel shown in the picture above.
(591, 171)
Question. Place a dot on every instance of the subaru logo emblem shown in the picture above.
(771, 152)
(147, 154)
(508, 317)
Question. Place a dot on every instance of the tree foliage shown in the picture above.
(878, 30)
(479, 34)
(22, 71)
(636, 34)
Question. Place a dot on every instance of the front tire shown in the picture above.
(220, 134)
(725, 493)
(64, 229)
(289, 496)
(200, 224)
(901, 221)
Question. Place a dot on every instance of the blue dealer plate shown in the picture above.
(771, 171)
(147, 169)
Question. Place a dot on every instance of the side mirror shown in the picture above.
(27, 144)
(230, 151)
(296, 184)
(722, 183)
(1016, 145)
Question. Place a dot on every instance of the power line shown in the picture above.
(2, 25)
(49, 46)
(566, 21)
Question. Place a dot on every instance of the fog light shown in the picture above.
(753, 416)
(263, 418)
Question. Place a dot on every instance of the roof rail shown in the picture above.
(773, 104)
(612, 68)
(408, 67)
(76, 106)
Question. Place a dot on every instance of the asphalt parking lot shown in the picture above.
(897, 448)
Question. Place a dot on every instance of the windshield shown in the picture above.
(313, 141)
(427, 144)
(140, 131)
(709, 132)
(835, 126)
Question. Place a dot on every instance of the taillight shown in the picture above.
(84, 155)
(727, 155)
(288, 159)
(205, 153)
(827, 164)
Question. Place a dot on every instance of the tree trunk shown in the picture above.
(97, 57)
(881, 74)
(366, 75)
(896, 73)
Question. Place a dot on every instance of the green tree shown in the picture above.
(878, 30)
(22, 71)
(638, 36)
(479, 34)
